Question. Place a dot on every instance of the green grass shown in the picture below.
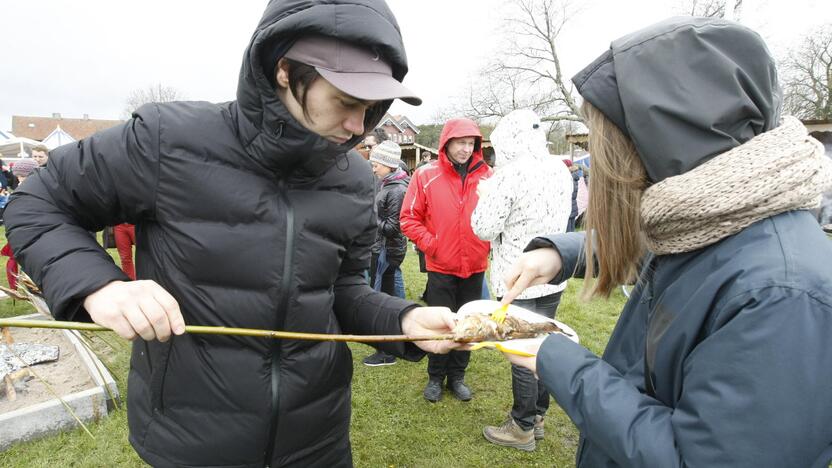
(392, 423)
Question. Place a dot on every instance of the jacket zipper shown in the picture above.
(285, 285)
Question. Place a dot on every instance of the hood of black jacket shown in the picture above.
(685, 90)
(268, 130)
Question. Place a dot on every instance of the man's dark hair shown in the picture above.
(302, 76)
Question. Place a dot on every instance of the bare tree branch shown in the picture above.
(152, 93)
(728, 9)
(807, 76)
(527, 71)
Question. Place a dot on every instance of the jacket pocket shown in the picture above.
(158, 371)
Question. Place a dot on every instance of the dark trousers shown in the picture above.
(530, 396)
(452, 292)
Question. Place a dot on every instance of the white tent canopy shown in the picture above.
(5, 136)
(57, 138)
(17, 147)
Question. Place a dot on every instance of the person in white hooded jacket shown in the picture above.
(529, 194)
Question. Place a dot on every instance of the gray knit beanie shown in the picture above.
(387, 153)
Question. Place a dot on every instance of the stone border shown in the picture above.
(51, 417)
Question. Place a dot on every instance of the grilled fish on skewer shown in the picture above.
(480, 327)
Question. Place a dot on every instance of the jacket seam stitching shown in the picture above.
(749, 291)
(659, 34)
(158, 161)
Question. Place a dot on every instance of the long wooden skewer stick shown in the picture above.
(202, 330)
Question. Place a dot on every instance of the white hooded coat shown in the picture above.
(529, 195)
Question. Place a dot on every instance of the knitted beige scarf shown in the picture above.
(781, 170)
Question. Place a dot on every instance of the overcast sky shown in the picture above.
(86, 57)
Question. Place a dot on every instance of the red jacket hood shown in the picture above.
(459, 128)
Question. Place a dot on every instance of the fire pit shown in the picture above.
(77, 376)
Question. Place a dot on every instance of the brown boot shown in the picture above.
(509, 434)
(539, 432)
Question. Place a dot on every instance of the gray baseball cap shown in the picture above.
(356, 70)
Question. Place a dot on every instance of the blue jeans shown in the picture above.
(486, 294)
(382, 268)
(530, 396)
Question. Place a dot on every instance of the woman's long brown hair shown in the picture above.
(617, 182)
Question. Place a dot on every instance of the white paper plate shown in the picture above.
(487, 306)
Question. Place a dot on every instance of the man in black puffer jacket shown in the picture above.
(284, 248)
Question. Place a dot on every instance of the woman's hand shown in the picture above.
(534, 267)
(529, 362)
(431, 321)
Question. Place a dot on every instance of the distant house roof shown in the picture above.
(38, 128)
(57, 138)
(399, 121)
(389, 120)
(404, 121)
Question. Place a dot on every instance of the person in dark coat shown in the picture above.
(391, 245)
(285, 249)
(721, 356)
(11, 180)
(573, 214)
(4, 176)
(371, 140)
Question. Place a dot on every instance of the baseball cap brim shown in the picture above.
(370, 86)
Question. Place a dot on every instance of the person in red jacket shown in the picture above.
(436, 216)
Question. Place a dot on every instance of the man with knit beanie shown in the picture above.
(391, 245)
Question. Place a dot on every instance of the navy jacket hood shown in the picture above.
(685, 90)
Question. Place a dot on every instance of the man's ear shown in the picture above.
(282, 73)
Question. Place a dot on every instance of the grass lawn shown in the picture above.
(392, 424)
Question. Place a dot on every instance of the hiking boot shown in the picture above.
(379, 358)
(459, 389)
(538, 428)
(509, 434)
(433, 390)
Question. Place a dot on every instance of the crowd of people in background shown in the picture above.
(11, 179)
(15, 173)
(459, 212)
